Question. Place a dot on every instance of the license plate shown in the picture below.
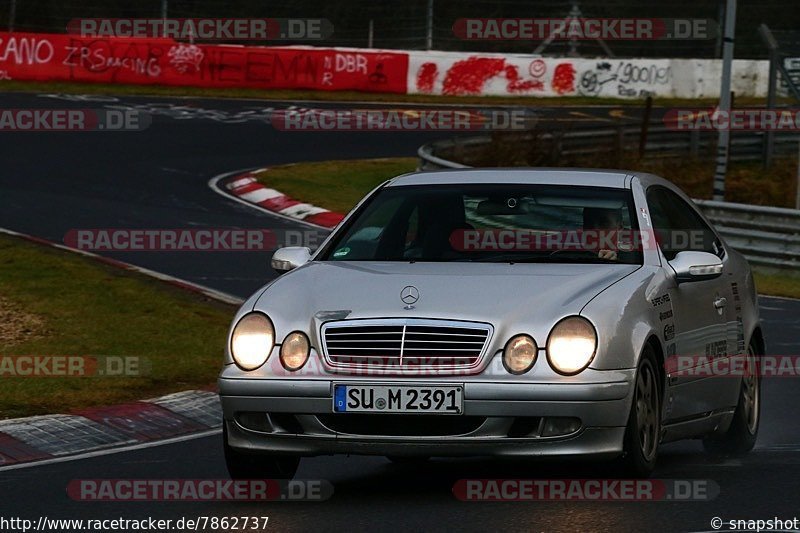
(409, 399)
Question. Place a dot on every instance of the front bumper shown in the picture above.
(495, 408)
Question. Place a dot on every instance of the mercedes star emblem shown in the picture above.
(409, 295)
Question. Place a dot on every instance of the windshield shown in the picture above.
(491, 223)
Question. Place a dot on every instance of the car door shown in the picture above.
(695, 328)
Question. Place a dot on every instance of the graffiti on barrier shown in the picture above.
(26, 50)
(628, 78)
(564, 79)
(102, 56)
(185, 58)
(472, 75)
(58, 57)
(451, 73)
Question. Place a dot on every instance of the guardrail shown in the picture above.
(767, 236)
(623, 139)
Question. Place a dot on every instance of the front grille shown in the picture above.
(401, 425)
(405, 344)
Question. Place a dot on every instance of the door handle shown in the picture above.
(721, 302)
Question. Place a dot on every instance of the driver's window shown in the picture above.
(677, 226)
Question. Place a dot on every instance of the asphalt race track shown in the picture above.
(53, 182)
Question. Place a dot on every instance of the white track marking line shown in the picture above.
(111, 451)
(196, 287)
(394, 103)
(779, 298)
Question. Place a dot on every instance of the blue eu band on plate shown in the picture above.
(398, 399)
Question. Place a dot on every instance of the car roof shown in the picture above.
(546, 176)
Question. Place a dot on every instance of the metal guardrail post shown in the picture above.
(694, 143)
(429, 26)
(12, 15)
(772, 45)
(797, 192)
(164, 9)
(648, 108)
(725, 104)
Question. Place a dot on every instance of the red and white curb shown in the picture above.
(49, 438)
(247, 188)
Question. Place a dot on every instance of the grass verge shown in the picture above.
(85, 308)
(746, 182)
(775, 284)
(335, 185)
(344, 96)
(339, 185)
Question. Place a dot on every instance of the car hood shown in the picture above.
(485, 292)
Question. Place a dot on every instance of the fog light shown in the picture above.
(519, 354)
(560, 425)
(294, 351)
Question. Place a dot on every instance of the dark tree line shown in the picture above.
(403, 23)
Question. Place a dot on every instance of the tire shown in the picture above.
(258, 466)
(643, 432)
(742, 434)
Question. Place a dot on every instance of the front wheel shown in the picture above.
(258, 466)
(743, 431)
(643, 432)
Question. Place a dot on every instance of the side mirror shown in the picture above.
(696, 266)
(289, 258)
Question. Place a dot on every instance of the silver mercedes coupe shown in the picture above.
(498, 312)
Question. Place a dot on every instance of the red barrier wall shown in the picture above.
(56, 57)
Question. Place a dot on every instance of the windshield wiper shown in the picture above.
(516, 258)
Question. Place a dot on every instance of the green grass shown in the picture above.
(774, 284)
(345, 96)
(335, 185)
(746, 182)
(88, 308)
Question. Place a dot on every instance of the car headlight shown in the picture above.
(294, 351)
(571, 345)
(519, 354)
(252, 341)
